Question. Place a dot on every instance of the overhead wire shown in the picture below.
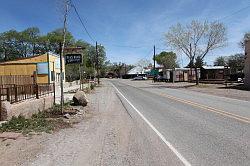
(81, 21)
(236, 12)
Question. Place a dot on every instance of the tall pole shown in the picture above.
(125, 69)
(80, 74)
(62, 52)
(97, 63)
(154, 64)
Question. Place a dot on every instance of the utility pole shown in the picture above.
(154, 64)
(80, 73)
(62, 52)
(97, 63)
(125, 69)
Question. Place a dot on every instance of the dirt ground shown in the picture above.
(231, 91)
(108, 136)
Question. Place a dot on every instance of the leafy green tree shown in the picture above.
(14, 44)
(56, 37)
(31, 36)
(9, 45)
(167, 59)
(236, 62)
(199, 62)
(117, 68)
(220, 61)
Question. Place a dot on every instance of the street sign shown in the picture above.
(73, 59)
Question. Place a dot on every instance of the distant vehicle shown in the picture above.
(140, 78)
(161, 79)
(240, 80)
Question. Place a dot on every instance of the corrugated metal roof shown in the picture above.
(137, 70)
(213, 67)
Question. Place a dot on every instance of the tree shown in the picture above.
(245, 38)
(10, 48)
(199, 62)
(167, 59)
(117, 68)
(220, 61)
(142, 63)
(56, 37)
(197, 39)
(31, 35)
(16, 44)
(236, 62)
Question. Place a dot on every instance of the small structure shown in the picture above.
(111, 75)
(247, 64)
(179, 74)
(185, 74)
(214, 74)
(136, 71)
(43, 68)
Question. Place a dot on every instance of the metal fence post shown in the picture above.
(54, 92)
(37, 91)
(0, 104)
(8, 94)
(15, 90)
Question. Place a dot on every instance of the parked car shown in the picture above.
(160, 79)
(140, 78)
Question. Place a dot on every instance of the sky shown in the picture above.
(130, 28)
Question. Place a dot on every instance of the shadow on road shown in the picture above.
(238, 87)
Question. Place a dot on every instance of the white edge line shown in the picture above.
(184, 161)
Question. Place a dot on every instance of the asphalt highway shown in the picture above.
(199, 129)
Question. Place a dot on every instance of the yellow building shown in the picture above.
(45, 68)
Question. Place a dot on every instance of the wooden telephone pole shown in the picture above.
(62, 46)
(97, 64)
(154, 65)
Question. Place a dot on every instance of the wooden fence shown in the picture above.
(16, 79)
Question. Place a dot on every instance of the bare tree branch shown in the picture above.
(197, 39)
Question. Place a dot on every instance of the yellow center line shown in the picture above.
(208, 108)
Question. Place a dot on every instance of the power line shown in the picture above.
(149, 53)
(90, 36)
(81, 21)
(128, 46)
(236, 12)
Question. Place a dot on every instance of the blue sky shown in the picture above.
(138, 23)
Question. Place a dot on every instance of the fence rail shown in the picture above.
(17, 93)
(16, 79)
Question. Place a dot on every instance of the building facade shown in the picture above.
(247, 64)
(43, 68)
(214, 72)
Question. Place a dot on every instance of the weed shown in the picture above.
(36, 123)
(92, 86)
(46, 121)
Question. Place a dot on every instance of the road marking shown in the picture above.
(204, 107)
(211, 109)
(183, 160)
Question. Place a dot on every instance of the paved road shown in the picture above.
(199, 129)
